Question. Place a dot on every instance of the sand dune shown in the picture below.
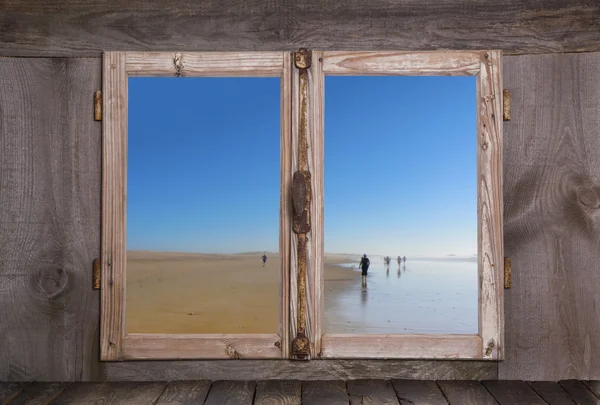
(169, 292)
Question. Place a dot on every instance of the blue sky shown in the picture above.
(204, 157)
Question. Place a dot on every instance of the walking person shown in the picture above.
(364, 266)
(264, 259)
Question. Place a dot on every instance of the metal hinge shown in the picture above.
(507, 273)
(97, 272)
(98, 106)
(506, 106)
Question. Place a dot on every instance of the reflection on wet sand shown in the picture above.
(425, 297)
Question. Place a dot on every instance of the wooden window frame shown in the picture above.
(115, 343)
(487, 344)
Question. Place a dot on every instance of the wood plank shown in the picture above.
(50, 218)
(551, 232)
(206, 346)
(231, 393)
(114, 190)
(184, 393)
(551, 392)
(466, 393)
(490, 245)
(39, 393)
(324, 393)
(278, 392)
(401, 346)
(286, 369)
(513, 392)
(579, 392)
(593, 386)
(418, 392)
(372, 392)
(206, 64)
(445, 63)
(9, 390)
(114, 393)
(75, 28)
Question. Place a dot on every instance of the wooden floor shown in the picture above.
(308, 392)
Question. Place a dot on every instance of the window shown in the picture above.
(305, 317)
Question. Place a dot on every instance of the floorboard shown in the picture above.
(114, 393)
(415, 392)
(513, 393)
(466, 393)
(551, 392)
(38, 393)
(371, 392)
(231, 393)
(9, 391)
(579, 392)
(324, 393)
(185, 393)
(278, 392)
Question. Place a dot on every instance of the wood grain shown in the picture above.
(231, 393)
(205, 346)
(513, 392)
(593, 386)
(114, 190)
(206, 64)
(74, 28)
(551, 392)
(286, 369)
(38, 393)
(184, 393)
(9, 391)
(401, 346)
(113, 393)
(372, 392)
(324, 393)
(278, 392)
(49, 218)
(415, 392)
(445, 63)
(466, 393)
(579, 392)
(552, 226)
(490, 245)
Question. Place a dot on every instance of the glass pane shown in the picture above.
(400, 187)
(203, 205)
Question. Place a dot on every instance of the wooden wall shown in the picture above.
(50, 233)
(86, 28)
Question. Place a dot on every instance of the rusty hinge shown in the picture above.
(301, 197)
(98, 106)
(97, 271)
(506, 105)
(507, 273)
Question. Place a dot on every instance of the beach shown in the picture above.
(168, 292)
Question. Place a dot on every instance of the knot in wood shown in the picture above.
(588, 197)
(51, 281)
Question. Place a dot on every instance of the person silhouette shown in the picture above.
(264, 259)
(364, 266)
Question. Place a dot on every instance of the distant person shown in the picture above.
(264, 259)
(364, 266)
(404, 259)
(399, 260)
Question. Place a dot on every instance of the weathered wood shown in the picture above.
(551, 392)
(38, 393)
(50, 218)
(490, 244)
(415, 392)
(9, 391)
(466, 393)
(206, 346)
(513, 392)
(184, 393)
(205, 64)
(552, 226)
(231, 393)
(401, 346)
(579, 392)
(278, 392)
(372, 392)
(114, 393)
(71, 28)
(447, 63)
(324, 393)
(593, 386)
(286, 369)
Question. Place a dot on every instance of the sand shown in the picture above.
(207, 293)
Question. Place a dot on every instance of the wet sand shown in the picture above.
(207, 293)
